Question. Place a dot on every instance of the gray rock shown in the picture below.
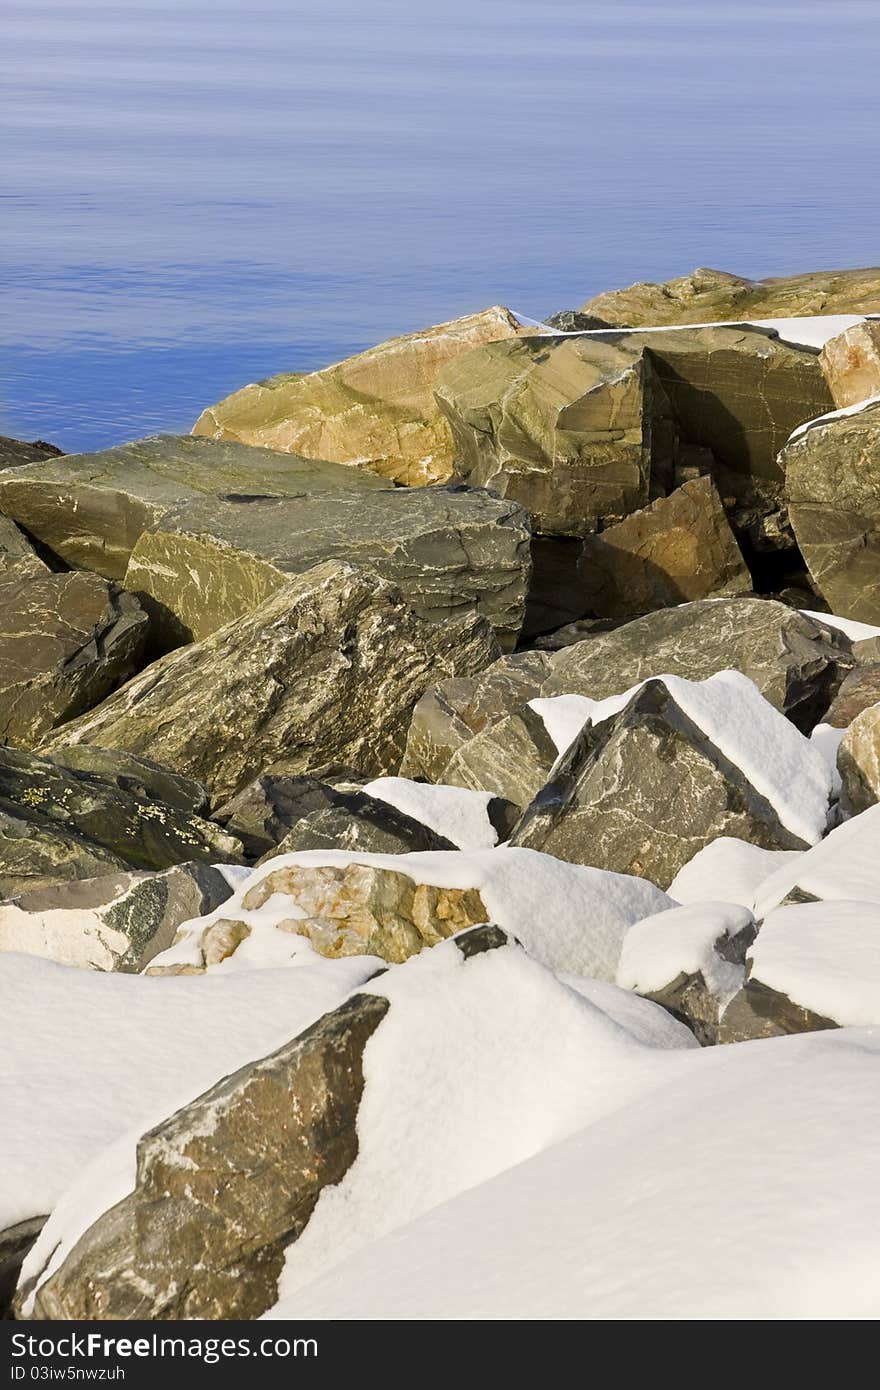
(67, 641)
(858, 691)
(449, 550)
(114, 495)
(15, 452)
(866, 652)
(328, 668)
(118, 922)
(858, 762)
(140, 777)
(15, 1242)
(833, 482)
(18, 559)
(796, 662)
(56, 826)
(575, 321)
(642, 792)
(512, 758)
(760, 1012)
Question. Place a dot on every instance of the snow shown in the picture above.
(825, 956)
(827, 740)
(856, 632)
(834, 415)
(87, 1055)
(540, 1061)
(681, 942)
(846, 865)
(743, 1189)
(457, 813)
(569, 917)
(730, 870)
(777, 759)
(809, 330)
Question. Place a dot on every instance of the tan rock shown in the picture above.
(851, 363)
(858, 761)
(374, 411)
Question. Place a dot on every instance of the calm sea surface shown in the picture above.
(199, 193)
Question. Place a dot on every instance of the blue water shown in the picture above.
(198, 193)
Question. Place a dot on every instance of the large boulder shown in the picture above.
(15, 452)
(67, 641)
(138, 776)
(851, 363)
(375, 411)
(832, 469)
(57, 825)
(858, 691)
(118, 922)
(679, 549)
(90, 509)
(709, 296)
(512, 758)
(644, 789)
(327, 669)
(449, 551)
(18, 559)
(796, 662)
(858, 762)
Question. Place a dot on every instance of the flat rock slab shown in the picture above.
(90, 509)
(833, 482)
(67, 641)
(679, 549)
(450, 551)
(327, 669)
(373, 412)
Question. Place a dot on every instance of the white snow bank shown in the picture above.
(811, 330)
(777, 759)
(856, 632)
(846, 865)
(87, 1055)
(682, 942)
(825, 956)
(744, 1189)
(827, 740)
(728, 870)
(840, 414)
(456, 812)
(478, 1065)
(569, 917)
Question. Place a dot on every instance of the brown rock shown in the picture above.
(18, 559)
(851, 363)
(860, 689)
(15, 452)
(858, 762)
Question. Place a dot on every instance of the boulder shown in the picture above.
(851, 363)
(15, 1242)
(141, 777)
(373, 412)
(326, 669)
(858, 691)
(858, 762)
(512, 758)
(708, 296)
(679, 549)
(274, 815)
(574, 321)
(796, 662)
(691, 960)
(644, 790)
(90, 509)
(56, 825)
(18, 559)
(117, 922)
(832, 470)
(449, 551)
(15, 452)
(67, 641)
(449, 714)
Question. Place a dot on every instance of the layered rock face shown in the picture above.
(710, 296)
(449, 551)
(375, 411)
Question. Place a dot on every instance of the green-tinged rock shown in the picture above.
(138, 776)
(15, 452)
(18, 559)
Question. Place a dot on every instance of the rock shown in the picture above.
(833, 481)
(796, 663)
(327, 668)
(67, 641)
(691, 960)
(574, 321)
(679, 549)
(374, 411)
(866, 651)
(56, 825)
(858, 762)
(140, 777)
(851, 363)
(643, 791)
(471, 820)
(118, 922)
(450, 552)
(18, 559)
(225, 1186)
(859, 690)
(583, 430)
(729, 871)
(512, 758)
(578, 631)
(275, 815)
(707, 296)
(844, 866)
(449, 714)
(118, 493)
(15, 1242)
(15, 452)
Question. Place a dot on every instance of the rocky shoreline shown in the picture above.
(445, 780)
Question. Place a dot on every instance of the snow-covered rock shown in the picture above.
(458, 813)
(729, 870)
(845, 865)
